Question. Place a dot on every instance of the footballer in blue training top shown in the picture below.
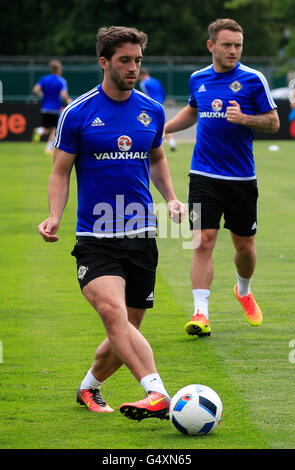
(112, 141)
(53, 91)
(228, 101)
(51, 86)
(151, 86)
(113, 136)
(223, 149)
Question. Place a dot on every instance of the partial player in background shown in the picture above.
(113, 135)
(291, 116)
(152, 87)
(53, 91)
(228, 101)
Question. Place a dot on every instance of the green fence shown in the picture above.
(19, 74)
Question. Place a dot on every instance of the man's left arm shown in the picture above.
(266, 122)
(65, 96)
(161, 178)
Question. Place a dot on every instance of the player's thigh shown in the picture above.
(97, 258)
(240, 215)
(140, 273)
(107, 295)
(140, 288)
(205, 203)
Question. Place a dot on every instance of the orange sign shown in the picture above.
(15, 123)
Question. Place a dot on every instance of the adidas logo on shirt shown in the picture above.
(202, 88)
(97, 122)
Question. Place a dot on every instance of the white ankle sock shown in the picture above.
(201, 301)
(243, 285)
(49, 145)
(172, 143)
(40, 131)
(90, 382)
(153, 383)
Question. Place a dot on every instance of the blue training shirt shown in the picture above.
(112, 141)
(153, 88)
(225, 150)
(51, 86)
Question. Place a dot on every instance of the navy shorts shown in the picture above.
(235, 200)
(49, 120)
(133, 259)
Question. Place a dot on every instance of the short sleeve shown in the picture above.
(64, 84)
(191, 101)
(67, 131)
(262, 95)
(161, 121)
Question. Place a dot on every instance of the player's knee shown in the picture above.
(107, 309)
(245, 248)
(207, 242)
(112, 313)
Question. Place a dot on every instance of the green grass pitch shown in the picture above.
(48, 332)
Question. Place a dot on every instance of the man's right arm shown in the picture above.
(38, 90)
(58, 193)
(187, 117)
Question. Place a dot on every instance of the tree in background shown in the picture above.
(174, 27)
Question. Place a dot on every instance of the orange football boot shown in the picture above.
(154, 405)
(93, 400)
(251, 309)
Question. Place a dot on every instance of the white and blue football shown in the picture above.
(195, 410)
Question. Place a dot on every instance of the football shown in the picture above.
(195, 410)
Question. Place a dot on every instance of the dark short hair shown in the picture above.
(223, 23)
(108, 39)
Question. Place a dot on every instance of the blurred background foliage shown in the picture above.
(174, 27)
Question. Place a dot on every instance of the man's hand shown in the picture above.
(177, 210)
(265, 122)
(234, 113)
(48, 229)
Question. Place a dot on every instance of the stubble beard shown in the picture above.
(119, 82)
